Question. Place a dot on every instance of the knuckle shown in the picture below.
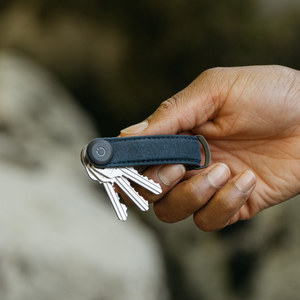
(212, 72)
(206, 225)
(193, 194)
(170, 104)
(202, 225)
(162, 214)
(150, 197)
(231, 203)
(168, 110)
(197, 192)
(231, 206)
(214, 77)
(226, 205)
(208, 73)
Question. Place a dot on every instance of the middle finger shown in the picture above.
(190, 195)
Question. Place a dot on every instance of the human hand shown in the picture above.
(250, 117)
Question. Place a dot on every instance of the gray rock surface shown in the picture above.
(60, 239)
(59, 236)
(256, 259)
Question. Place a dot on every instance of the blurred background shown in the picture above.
(74, 70)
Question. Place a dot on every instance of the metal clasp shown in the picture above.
(206, 149)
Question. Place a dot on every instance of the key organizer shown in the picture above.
(115, 160)
(148, 150)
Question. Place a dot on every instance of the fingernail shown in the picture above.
(245, 181)
(169, 174)
(136, 128)
(218, 175)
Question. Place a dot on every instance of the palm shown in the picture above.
(250, 118)
(259, 129)
(275, 173)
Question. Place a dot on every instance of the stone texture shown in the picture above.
(50, 239)
(255, 259)
(59, 237)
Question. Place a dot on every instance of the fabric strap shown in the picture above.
(148, 150)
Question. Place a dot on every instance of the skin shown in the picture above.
(250, 117)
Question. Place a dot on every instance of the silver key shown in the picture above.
(120, 209)
(143, 181)
(116, 176)
(120, 176)
(132, 174)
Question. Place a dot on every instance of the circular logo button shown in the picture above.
(99, 152)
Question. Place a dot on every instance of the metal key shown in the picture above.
(116, 176)
(120, 176)
(132, 174)
(120, 209)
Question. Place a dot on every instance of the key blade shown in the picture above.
(140, 202)
(149, 184)
(120, 209)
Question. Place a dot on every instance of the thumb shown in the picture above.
(183, 112)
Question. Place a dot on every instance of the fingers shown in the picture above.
(173, 116)
(224, 206)
(189, 196)
(166, 175)
(186, 110)
(211, 196)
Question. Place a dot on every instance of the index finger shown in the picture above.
(183, 112)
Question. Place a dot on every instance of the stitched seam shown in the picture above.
(121, 140)
(157, 160)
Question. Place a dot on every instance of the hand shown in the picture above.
(250, 117)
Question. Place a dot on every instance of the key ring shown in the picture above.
(206, 149)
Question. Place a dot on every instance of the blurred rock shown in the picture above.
(121, 59)
(256, 259)
(59, 237)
